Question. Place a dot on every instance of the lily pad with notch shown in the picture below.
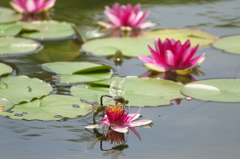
(139, 91)
(217, 90)
(76, 72)
(22, 88)
(47, 30)
(109, 46)
(51, 107)
(8, 15)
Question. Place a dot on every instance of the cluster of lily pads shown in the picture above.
(28, 98)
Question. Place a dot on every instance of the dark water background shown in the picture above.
(189, 130)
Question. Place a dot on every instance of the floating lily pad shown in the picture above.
(196, 36)
(10, 29)
(229, 44)
(5, 104)
(13, 46)
(5, 69)
(64, 50)
(139, 91)
(218, 90)
(8, 15)
(22, 88)
(52, 107)
(75, 72)
(48, 30)
(128, 46)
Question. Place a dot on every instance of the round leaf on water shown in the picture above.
(5, 69)
(5, 104)
(11, 45)
(109, 46)
(22, 88)
(196, 36)
(9, 29)
(139, 91)
(8, 15)
(218, 90)
(75, 72)
(52, 107)
(48, 30)
(229, 44)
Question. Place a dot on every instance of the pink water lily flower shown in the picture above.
(119, 121)
(126, 17)
(32, 6)
(171, 55)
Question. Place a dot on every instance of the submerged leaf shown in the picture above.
(139, 91)
(52, 107)
(218, 90)
(196, 36)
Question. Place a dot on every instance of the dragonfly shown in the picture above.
(116, 92)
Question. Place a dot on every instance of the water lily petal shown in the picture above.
(121, 129)
(155, 67)
(146, 59)
(139, 123)
(92, 126)
(18, 8)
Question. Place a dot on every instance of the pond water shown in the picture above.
(192, 129)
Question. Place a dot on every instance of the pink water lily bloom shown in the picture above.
(126, 16)
(171, 55)
(119, 121)
(32, 6)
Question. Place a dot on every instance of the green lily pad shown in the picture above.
(13, 46)
(64, 50)
(5, 104)
(48, 30)
(8, 15)
(229, 44)
(10, 29)
(5, 69)
(218, 90)
(109, 46)
(52, 107)
(196, 36)
(75, 72)
(139, 91)
(22, 88)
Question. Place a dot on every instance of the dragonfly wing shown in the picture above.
(121, 87)
(113, 89)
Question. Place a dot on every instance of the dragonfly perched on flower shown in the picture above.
(116, 92)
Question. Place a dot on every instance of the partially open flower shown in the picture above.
(118, 120)
(126, 17)
(32, 6)
(171, 55)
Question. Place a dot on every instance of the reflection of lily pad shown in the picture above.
(52, 107)
(139, 91)
(128, 46)
(218, 90)
(75, 72)
(11, 45)
(5, 69)
(64, 50)
(48, 30)
(8, 15)
(229, 44)
(196, 36)
(9, 29)
(22, 88)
